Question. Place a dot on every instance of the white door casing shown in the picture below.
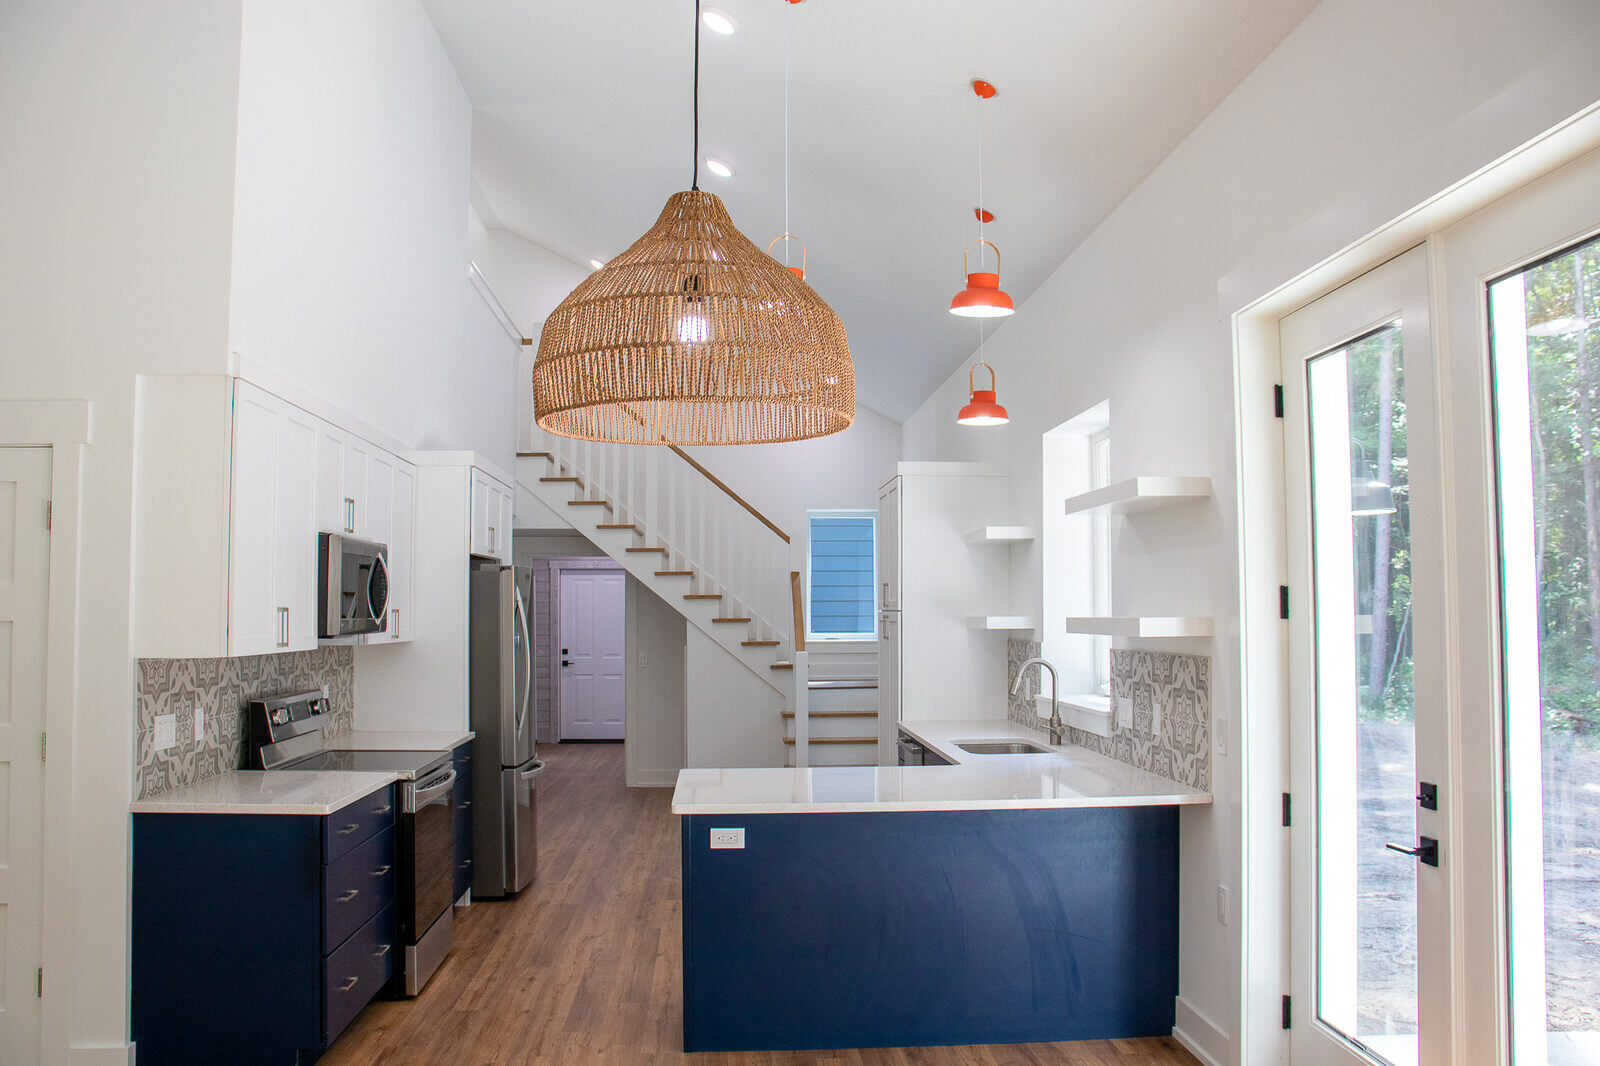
(24, 592)
(590, 640)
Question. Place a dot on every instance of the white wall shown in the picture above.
(350, 242)
(656, 694)
(733, 715)
(117, 175)
(528, 278)
(1366, 109)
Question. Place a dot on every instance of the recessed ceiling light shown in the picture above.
(596, 264)
(718, 167)
(719, 22)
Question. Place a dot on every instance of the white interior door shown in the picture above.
(24, 590)
(1371, 926)
(591, 645)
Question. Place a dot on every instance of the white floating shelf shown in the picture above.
(1140, 494)
(1142, 627)
(1001, 621)
(1001, 535)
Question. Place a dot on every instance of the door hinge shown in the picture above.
(1283, 601)
(41, 983)
(41, 745)
(1277, 401)
(1288, 820)
(1287, 1017)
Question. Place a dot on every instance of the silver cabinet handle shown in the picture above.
(491, 538)
(349, 514)
(283, 627)
(380, 871)
(351, 828)
(385, 809)
(350, 895)
(381, 952)
(348, 985)
(394, 623)
(465, 804)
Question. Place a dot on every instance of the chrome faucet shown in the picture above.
(1058, 728)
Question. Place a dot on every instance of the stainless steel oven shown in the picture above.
(427, 840)
(353, 586)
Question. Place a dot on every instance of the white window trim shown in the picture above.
(1100, 557)
(866, 636)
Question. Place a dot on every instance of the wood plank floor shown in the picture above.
(584, 966)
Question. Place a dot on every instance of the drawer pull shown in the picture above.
(348, 985)
(464, 865)
(350, 895)
(385, 809)
(351, 828)
(465, 804)
(381, 952)
(380, 871)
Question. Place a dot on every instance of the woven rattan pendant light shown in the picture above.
(693, 336)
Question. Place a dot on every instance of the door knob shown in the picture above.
(1426, 851)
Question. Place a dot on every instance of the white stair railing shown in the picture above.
(734, 550)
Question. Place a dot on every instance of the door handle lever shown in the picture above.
(1426, 851)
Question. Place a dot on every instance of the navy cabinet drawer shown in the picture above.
(352, 975)
(463, 824)
(356, 886)
(350, 825)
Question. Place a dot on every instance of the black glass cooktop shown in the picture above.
(408, 764)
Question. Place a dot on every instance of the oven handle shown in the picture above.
(531, 772)
(426, 797)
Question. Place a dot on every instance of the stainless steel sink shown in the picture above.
(1001, 747)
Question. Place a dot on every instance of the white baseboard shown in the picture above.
(109, 1055)
(1199, 1036)
(654, 779)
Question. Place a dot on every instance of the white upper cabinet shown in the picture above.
(889, 546)
(345, 483)
(402, 556)
(491, 517)
(273, 576)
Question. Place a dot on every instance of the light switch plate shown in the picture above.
(166, 732)
(722, 839)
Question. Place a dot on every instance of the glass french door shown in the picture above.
(1369, 888)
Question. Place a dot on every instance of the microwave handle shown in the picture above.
(378, 609)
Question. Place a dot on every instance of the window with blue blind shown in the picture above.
(842, 579)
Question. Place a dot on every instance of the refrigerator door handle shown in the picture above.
(531, 772)
(527, 652)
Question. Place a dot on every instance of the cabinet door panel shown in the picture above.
(380, 496)
(483, 509)
(889, 546)
(294, 527)
(332, 514)
(402, 552)
(357, 458)
(254, 623)
(502, 537)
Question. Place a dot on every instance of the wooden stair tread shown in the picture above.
(837, 714)
(536, 455)
(702, 596)
(619, 525)
(786, 665)
(674, 573)
(589, 503)
(571, 480)
(744, 620)
(638, 551)
(834, 740)
(761, 643)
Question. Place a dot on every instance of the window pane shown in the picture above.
(1545, 342)
(1366, 936)
(842, 559)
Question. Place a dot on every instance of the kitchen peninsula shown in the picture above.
(1005, 898)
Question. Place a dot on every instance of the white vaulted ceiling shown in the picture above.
(582, 130)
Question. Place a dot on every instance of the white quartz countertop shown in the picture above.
(1069, 776)
(267, 792)
(399, 740)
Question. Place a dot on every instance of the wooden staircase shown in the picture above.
(842, 722)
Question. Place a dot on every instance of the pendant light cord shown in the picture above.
(785, 130)
(981, 246)
(694, 186)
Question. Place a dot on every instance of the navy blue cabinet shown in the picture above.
(257, 938)
(463, 766)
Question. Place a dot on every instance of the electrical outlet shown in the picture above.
(727, 838)
(1220, 725)
(166, 734)
(199, 723)
(1222, 904)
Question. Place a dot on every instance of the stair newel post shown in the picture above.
(801, 703)
(652, 488)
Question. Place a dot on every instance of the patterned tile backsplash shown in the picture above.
(223, 687)
(1160, 711)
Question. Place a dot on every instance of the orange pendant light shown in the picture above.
(797, 271)
(982, 409)
(983, 297)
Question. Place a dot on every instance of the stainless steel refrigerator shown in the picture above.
(505, 772)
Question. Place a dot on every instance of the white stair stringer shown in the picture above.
(557, 496)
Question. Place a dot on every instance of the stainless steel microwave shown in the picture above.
(353, 586)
